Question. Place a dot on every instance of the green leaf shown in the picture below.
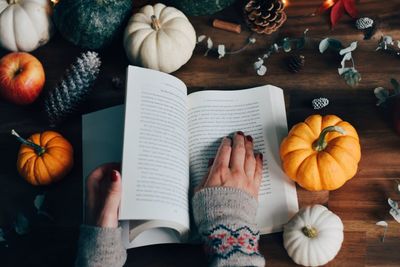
(286, 45)
(396, 86)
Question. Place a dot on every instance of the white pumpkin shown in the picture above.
(25, 24)
(159, 37)
(313, 236)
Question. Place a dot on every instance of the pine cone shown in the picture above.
(73, 89)
(320, 103)
(264, 16)
(296, 62)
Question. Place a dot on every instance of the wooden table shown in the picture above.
(360, 203)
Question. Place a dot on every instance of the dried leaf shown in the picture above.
(221, 51)
(348, 49)
(252, 40)
(393, 204)
(382, 223)
(38, 202)
(343, 63)
(258, 63)
(337, 12)
(2, 236)
(201, 38)
(382, 94)
(21, 225)
(350, 7)
(262, 70)
(209, 43)
(395, 214)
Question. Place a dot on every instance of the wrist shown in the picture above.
(107, 221)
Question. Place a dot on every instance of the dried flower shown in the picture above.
(394, 211)
(386, 44)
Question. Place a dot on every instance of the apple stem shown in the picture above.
(38, 149)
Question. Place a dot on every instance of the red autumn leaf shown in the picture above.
(337, 12)
(350, 6)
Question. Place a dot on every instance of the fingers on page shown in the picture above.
(250, 160)
(238, 153)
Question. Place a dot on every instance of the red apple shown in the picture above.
(21, 78)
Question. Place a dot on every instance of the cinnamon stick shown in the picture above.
(227, 26)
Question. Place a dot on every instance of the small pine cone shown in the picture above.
(364, 23)
(296, 62)
(264, 16)
(73, 89)
(320, 103)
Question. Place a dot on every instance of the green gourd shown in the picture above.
(200, 8)
(91, 24)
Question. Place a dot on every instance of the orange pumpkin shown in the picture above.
(321, 153)
(44, 158)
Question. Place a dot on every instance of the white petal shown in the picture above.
(262, 70)
(201, 38)
(323, 45)
(209, 43)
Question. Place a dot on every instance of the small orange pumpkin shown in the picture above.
(321, 153)
(44, 158)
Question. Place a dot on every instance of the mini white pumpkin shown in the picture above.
(25, 24)
(313, 236)
(159, 37)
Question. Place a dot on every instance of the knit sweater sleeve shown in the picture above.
(225, 218)
(100, 247)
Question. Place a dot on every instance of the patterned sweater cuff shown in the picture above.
(225, 218)
(100, 247)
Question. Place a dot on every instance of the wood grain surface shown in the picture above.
(360, 203)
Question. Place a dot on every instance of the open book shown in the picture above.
(165, 138)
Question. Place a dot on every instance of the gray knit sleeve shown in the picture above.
(225, 218)
(100, 247)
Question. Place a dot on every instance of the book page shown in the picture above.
(259, 112)
(155, 165)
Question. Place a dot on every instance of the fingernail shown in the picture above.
(249, 138)
(114, 176)
(226, 140)
(240, 133)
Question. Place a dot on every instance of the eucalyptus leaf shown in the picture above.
(262, 70)
(21, 225)
(382, 94)
(396, 85)
(393, 204)
(286, 45)
(221, 51)
(323, 45)
(209, 43)
(348, 49)
(395, 214)
(201, 38)
(382, 223)
(2, 235)
(344, 69)
(258, 63)
(38, 202)
(352, 77)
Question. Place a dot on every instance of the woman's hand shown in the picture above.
(235, 165)
(104, 195)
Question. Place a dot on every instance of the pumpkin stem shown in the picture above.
(309, 231)
(320, 144)
(155, 23)
(38, 149)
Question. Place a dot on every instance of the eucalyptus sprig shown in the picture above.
(221, 50)
(287, 44)
(349, 74)
(387, 44)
